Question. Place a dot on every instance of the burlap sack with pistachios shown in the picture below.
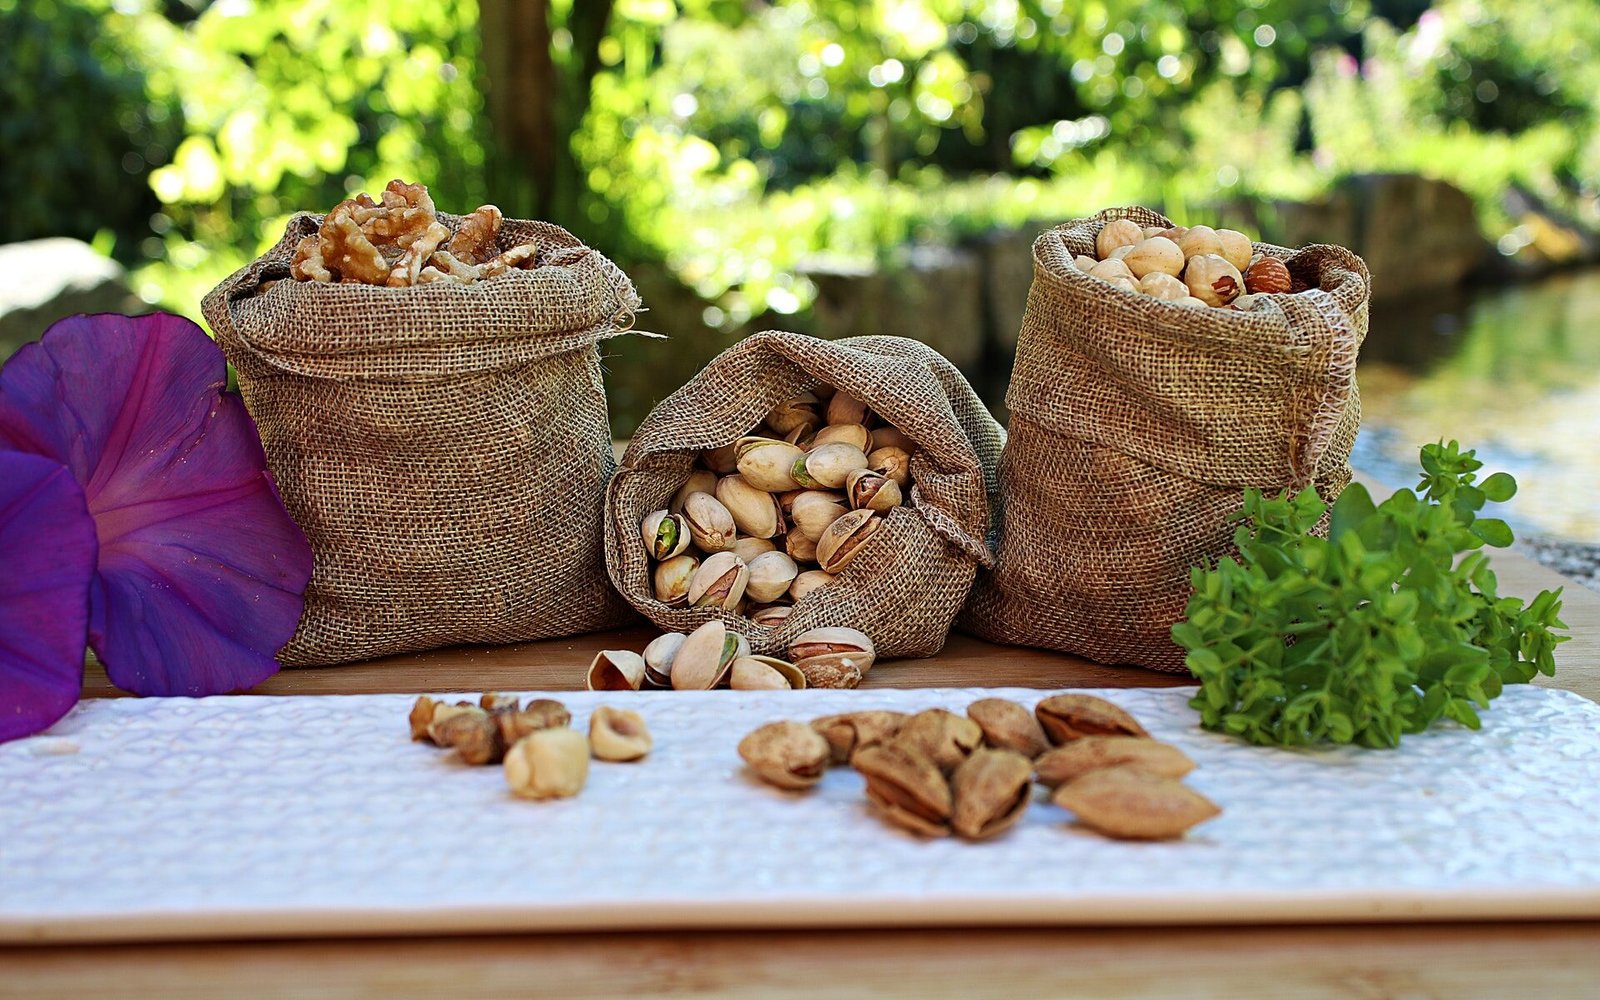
(1135, 426)
(445, 447)
(913, 574)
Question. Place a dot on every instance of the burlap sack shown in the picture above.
(444, 447)
(1136, 424)
(911, 578)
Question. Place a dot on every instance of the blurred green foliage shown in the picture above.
(735, 139)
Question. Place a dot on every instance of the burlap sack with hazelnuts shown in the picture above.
(1135, 426)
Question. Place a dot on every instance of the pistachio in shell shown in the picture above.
(765, 463)
(747, 548)
(855, 435)
(814, 510)
(770, 577)
(1007, 725)
(1130, 804)
(705, 657)
(719, 582)
(1071, 761)
(710, 523)
(835, 670)
(845, 538)
(724, 461)
(867, 489)
(1066, 717)
(787, 755)
(665, 534)
(805, 583)
(892, 462)
(771, 615)
(796, 413)
(827, 466)
(891, 437)
(658, 659)
(618, 734)
(616, 670)
(699, 481)
(905, 787)
(799, 546)
(672, 578)
(848, 732)
(765, 673)
(426, 712)
(497, 701)
(990, 791)
(946, 738)
(830, 639)
(846, 409)
(755, 512)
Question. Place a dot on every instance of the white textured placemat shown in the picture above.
(269, 816)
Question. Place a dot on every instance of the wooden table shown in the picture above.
(1359, 961)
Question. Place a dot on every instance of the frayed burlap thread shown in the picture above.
(913, 575)
(444, 447)
(1135, 426)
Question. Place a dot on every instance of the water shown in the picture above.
(1513, 372)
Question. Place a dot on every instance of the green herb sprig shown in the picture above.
(1382, 628)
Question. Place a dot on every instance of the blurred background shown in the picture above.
(863, 167)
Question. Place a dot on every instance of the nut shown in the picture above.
(495, 701)
(1130, 804)
(658, 658)
(830, 639)
(845, 409)
(1268, 276)
(789, 755)
(808, 581)
(1235, 247)
(473, 735)
(1071, 761)
(800, 546)
(616, 670)
(890, 437)
(618, 734)
(724, 461)
(946, 738)
(854, 435)
(719, 582)
(770, 576)
(905, 787)
(1150, 231)
(771, 615)
(1008, 726)
(705, 657)
(765, 463)
(425, 712)
(710, 523)
(827, 466)
(699, 481)
(1121, 253)
(851, 731)
(1109, 270)
(755, 512)
(748, 548)
(765, 673)
(540, 713)
(868, 489)
(1213, 280)
(794, 414)
(990, 791)
(844, 539)
(548, 764)
(1155, 255)
(665, 534)
(835, 670)
(814, 511)
(672, 578)
(1067, 717)
(894, 463)
(1116, 233)
(476, 242)
(1199, 241)
(1190, 302)
(1160, 285)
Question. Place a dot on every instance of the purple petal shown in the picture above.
(47, 552)
(201, 570)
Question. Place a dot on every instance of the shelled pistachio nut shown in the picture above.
(704, 659)
(892, 462)
(699, 481)
(755, 512)
(846, 409)
(789, 755)
(617, 734)
(771, 615)
(1130, 804)
(771, 574)
(719, 582)
(851, 731)
(805, 583)
(1071, 761)
(946, 738)
(672, 578)
(990, 791)
(658, 659)
(871, 490)
(540, 713)
(1067, 717)
(765, 673)
(855, 435)
(710, 523)
(905, 787)
(765, 463)
(1007, 725)
(813, 510)
(827, 466)
(549, 764)
(797, 413)
(616, 670)
(845, 538)
(665, 534)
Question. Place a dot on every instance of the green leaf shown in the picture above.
(1352, 508)
(1493, 531)
(1499, 487)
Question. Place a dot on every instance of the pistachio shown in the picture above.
(710, 523)
(830, 639)
(719, 582)
(990, 791)
(665, 534)
(1160, 285)
(425, 712)
(947, 738)
(618, 734)
(794, 414)
(827, 466)
(871, 490)
(893, 462)
(699, 481)
(814, 510)
(1155, 255)
(1213, 280)
(765, 673)
(771, 615)
(851, 731)
(844, 539)
(808, 581)
(905, 787)
(890, 437)
(1235, 248)
(748, 548)
(835, 670)
(1197, 241)
(1067, 717)
(540, 713)
(770, 576)
(703, 661)
(474, 736)
(846, 409)
(789, 755)
(1008, 726)
(616, 670)
(755, 512)
(799, 546)
(1116, 233)
(765, 463)
(1131, 804)
(672, 578)
(548, 764)
(658, 658)
(1071, 761)
(724, 460)
(855, 435)
(495, 701)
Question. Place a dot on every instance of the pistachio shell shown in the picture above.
(850, 731)
(1071, 761)
(990, 791)
(844, 539)
(814, 510)
(723, 461)
(808, 581)
(771, 615)
(855, 435)
(835, 670)
(792, 414)
(719, 582)
(618, 734)
(703, 661)
(755, 512)
(905, 787)
(710, 523)
(496, 701)
(765, 463)
(474, 736)
(890, 437)
(1130, 804)
(800, 547)
(752, 673)
(699, 481)
(871, 490)
(747, 548)
(770, 576)
(1007, 725)
(830, 639)
(616, 670)
(658, 658)
(1067, 717)
(672, 578)
(665, 534)
(946, 738)
(426, 712)
(828, 465)
(788, 755)
(845, 409)
(895, 463)
(540, 713)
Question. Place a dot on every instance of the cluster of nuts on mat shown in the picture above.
(399, 241)
(1190, 265)
(936, 772)
(776, 514)
(713, 656)
(544, 758)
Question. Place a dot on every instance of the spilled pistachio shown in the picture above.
(719, 582)
(946, 738)
(850, 731)
(618, 734)
(1008, 726)
(616, 670)
(990, 792)
(703, 660)
(1066, 717)
(658, 658)
(788, 755)
(1071, 761)
(1131, 804)
(765, 673)
(905, 787)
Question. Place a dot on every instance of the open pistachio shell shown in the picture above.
(765, 673)
(793, 414)
(665, 534)
(835, 670)
(789, 755)
(905, 787)
(1007, 725)
(851, 731)
(719, 582)
(658, 659)
(1067, 717)
(710, 523)
(616, 670)
(894, 463)
(854, 435)
(845, 538)
(946, 738)
(1071, 761)
(771, 615)
(672, 578)
(704, 659)
(830, 639)
(867, 489)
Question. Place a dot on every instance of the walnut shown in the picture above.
(522, 256)
(405, 216)
(346, 249)
(478, 238)
(409, 268)
(308, 264)
(444, 266)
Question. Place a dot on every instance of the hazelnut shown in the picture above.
(1212, 279)
(1116, 233)
(1267, 276)
(1236, 248)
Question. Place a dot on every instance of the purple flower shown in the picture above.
(200, 571)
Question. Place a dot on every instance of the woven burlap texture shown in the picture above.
(444, 447)
(913, 575)
(1135, 426)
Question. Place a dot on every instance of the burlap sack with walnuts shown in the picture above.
(1135, 426)
(444, 447)
(913, 575)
